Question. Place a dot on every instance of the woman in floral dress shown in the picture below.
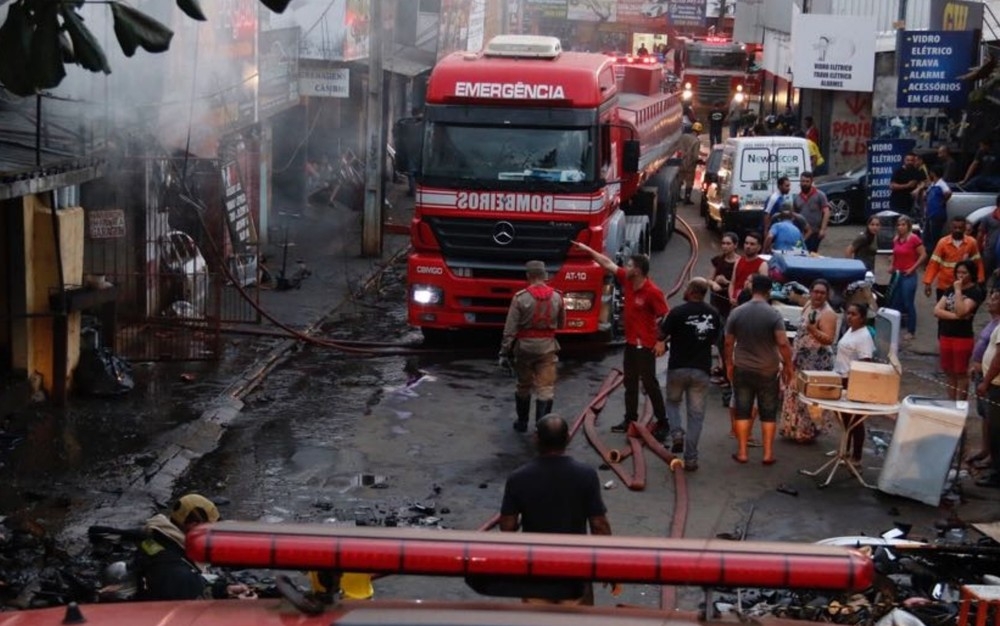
(811, 350)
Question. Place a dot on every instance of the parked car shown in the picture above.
(710, 177)
(965, 203)
(847, 194)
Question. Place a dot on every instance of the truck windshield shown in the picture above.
(489, 153)
(716, 58)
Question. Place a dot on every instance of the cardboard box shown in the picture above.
(820, 384)
(877, 383)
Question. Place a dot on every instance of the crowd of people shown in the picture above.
(728, 316)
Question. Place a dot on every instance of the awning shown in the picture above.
(405, 67)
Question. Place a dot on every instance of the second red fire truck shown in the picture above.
(712, 70)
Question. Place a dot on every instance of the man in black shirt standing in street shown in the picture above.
(555, 493)
(716, 121)
(691, 329)
(904, 182)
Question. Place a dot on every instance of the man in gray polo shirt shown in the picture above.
(812, 205)
(756, 351)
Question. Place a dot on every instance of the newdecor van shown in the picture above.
(748, 175)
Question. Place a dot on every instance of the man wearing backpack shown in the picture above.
(529, 335)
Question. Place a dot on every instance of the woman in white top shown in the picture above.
(855, 345)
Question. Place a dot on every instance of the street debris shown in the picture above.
(918, 582)
(788, 491)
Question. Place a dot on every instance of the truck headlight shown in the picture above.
(578, 300)
(687, 94)
(426, 294)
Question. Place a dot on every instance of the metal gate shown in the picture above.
(159, 232)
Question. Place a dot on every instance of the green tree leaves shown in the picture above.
(15, 50)
(278, 6)
(192, 9)
(40, 36)
(135, 29)
(87, 53)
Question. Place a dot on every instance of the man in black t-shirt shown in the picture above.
(905, 181)
(716, 121)
(692, 329)
(555, 493)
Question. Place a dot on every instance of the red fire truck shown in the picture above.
(500, 565)
(712, 70)
(524, 148)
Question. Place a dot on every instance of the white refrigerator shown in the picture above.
(923, 445)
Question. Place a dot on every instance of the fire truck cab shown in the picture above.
(522, 149)
(711, 70)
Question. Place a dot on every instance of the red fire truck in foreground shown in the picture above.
(526, 148)
(510, 565)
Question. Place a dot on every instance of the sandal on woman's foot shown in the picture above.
(770, 461)
(738, 459)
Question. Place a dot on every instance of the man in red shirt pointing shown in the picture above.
(644, 306)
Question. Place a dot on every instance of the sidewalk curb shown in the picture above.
(152, 487)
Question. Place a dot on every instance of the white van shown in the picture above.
(748, 175)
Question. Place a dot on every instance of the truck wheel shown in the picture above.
(663, 226)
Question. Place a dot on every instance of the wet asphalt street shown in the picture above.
(328, 437)
(427, 441)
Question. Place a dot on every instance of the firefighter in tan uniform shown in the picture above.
(689, 151)
(529, 336)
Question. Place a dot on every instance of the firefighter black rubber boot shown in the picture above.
(523, 413)
(542, 408)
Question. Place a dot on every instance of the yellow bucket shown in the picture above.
(356, 586)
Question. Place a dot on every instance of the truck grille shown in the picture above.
(474, 244)
(712, 89)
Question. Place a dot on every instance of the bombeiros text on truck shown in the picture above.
(523, 148)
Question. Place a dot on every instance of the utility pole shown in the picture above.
(900, 26)
(371, 221)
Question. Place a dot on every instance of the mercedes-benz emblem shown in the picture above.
(503, 233)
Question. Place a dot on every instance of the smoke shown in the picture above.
(203, 85)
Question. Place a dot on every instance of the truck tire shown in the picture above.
(668, 191)
(663, 224)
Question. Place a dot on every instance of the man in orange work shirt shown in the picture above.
(950, 249)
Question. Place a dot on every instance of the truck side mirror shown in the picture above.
(630, 156)
(408, 140)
